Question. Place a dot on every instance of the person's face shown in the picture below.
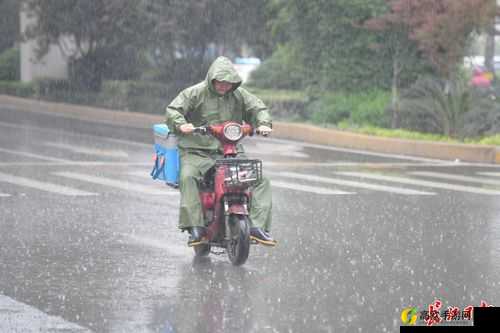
(222, 87)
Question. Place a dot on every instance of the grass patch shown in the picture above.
(411, 135)
(490, 140)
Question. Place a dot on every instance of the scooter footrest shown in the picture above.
(201, 242)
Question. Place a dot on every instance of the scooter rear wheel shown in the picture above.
(238, 247)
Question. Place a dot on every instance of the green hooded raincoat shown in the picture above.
(201, 105)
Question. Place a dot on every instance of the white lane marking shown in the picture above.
(456, 177)
(60, 132)
(356, 151)
(77, 163)
(139, 173)
(27, 154)
(146, 174)
(432, 162)
(87, 150)
(404, 180)
(305, 188)
(4, 195)
(337, 181)
(270, 148)
(289, 142)
(43, 186)
(19, 317)
(274, 183)
(373, 165)
(492, 174)
(119, 184)
(267, 163)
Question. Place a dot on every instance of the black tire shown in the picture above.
(201, 250)
(238, 247)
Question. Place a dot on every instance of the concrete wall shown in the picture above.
(53, 65)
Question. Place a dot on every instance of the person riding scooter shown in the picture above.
(217, 99)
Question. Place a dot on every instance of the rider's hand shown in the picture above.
(264, 130)
(186, 128)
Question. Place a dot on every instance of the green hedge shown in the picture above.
(10, 65)
(141, 96)
(17, 88)
(63, 90)
(366, 108)
(134, 88)
(283, 104)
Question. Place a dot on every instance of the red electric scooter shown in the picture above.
(225, 194)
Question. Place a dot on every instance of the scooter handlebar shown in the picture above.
(264, 134)
(207, 130)
(203, 130)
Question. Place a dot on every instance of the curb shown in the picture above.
(80, 112)
(434, 150)
(282, 130)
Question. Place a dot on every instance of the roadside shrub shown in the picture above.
(462, 111)
(56, 89)
(437, 106)
(135, 88)
(483, 119)
(283, 104)
(17, 88)
(371, 109)
(330, 109)
(367, 108)
(10, 67)
(149, 97)
(64, 90)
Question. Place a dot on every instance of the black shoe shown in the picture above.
(197, 236)
(261, 236)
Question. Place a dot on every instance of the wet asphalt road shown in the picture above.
(108, 259)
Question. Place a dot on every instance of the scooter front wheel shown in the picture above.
(201, 250)
(238, 246)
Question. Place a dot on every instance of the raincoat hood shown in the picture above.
(222, 69)
(201, 105)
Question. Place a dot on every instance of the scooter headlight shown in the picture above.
(233, 132)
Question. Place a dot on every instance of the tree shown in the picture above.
(190, 34)
(329, 42)
(100, 38)
(442, 28)
(9, 23)
(395, 41)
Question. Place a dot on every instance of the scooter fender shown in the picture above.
(234, 209)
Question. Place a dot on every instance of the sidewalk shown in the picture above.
(292, 131)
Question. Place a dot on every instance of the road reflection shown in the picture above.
(211, 297)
